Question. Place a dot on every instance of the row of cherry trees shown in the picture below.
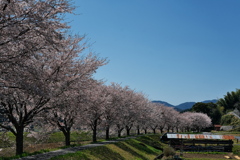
(115, 108)
(47, 80)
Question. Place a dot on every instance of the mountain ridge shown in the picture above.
(183, 106)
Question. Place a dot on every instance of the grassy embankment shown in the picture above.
(141, 148)
(145, 147)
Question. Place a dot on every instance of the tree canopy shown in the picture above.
(211, 109)
(230, 101)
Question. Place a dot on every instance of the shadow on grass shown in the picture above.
(140, 146)
(72, 156)
(152, 141)
(126, 148)
(103, 153)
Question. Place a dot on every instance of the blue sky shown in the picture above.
(171, 50)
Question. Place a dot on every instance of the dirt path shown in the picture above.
(48, 155)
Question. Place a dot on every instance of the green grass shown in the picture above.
(139, 149)
(76, 136)
(55, 141)
(143, 147)
(236, 149)
(8, 139)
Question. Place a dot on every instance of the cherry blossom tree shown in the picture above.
(110, 112)
(155, 114)
(174, 121)
(201, 121)
(196, 121)
(28, 26)
(163, 118)
(146, 122)
(69, 106)
(132, 107)
(97, 97)
(120, 119)
(64, 114)
(142, 104)
(38, 61)
(130, 110)
(30, 88)
(29, 30)
(143, 120)
(187, 121)
(181, 123)
(127, 109)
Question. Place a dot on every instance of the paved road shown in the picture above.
(48, 155)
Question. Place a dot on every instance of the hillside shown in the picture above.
(183, 106)
(143, 147)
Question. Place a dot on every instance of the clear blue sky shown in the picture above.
(172, 50)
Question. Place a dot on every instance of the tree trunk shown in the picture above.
(128, 130)
(19, 140)
(161, 130)
(145, 130)
(119, 132)
(67, 137)
(107, 132)
(154, 130)
(94, 137)
(138, 130)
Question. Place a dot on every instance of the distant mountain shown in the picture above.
(183, 106)
(208, 101)
(164, 103)
(167, 104)
(186, 105)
